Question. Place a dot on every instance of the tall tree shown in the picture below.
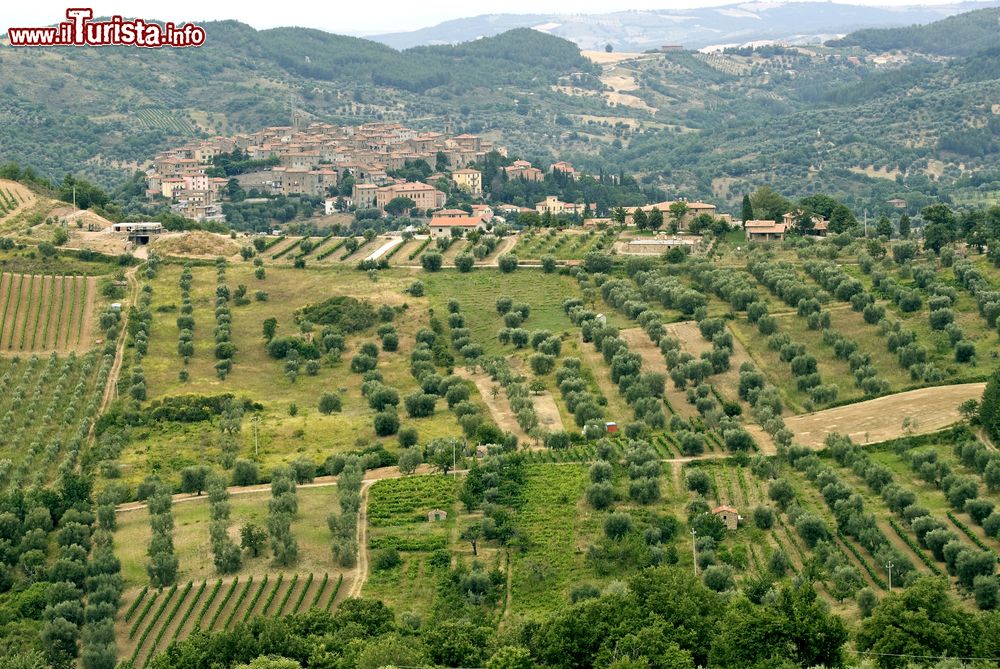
(747, 208)
(989, 407)
(922, 620)
(904, 227)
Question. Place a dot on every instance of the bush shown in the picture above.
(465, 262)
(408, 437)
(507, 263)
(431, 261)
(698, 481)
(548, 263)
(719, 578)
(245, 473)
(386, 423)
(420, 405)
(763, 517)
(965, 351)
(387, 558)
(617, 525)
(600, 495)
(329, 403)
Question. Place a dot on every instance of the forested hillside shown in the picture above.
(978, 30)
(848, 118)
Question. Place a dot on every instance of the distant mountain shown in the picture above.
(961, 35)
(692, 28)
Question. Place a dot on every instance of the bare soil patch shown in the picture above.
(603, 57)
(882, 418)
(499, 407)
(548, 412)
(197, 243)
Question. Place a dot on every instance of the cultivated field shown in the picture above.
(885, 418)
(47, 312)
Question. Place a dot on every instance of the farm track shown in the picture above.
(499, 407)
(361, 570)
(116, 368)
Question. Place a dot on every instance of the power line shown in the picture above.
(921, 657)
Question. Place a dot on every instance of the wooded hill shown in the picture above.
(710, 126)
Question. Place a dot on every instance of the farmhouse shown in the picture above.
(445, 226)
(729, 516)
(764, 231)
(138, 232)
(694, 210)
(820, 225)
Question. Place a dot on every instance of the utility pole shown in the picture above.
(256, 446)
(694, 549)
(889, 566)
(866, 224)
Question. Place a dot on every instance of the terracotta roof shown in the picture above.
(456, 222)
(722, 508)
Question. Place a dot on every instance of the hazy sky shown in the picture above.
(344, 16)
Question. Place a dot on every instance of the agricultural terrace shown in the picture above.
(707, 368)
(14, 198)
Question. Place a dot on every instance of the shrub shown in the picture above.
(329, 403)
(617, 525)
(386, 423)
(507, 263)
(245, 473)
(763, 517)
(698, 481)
(600, 495)
(465, 262)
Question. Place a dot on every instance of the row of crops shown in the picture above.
(155, 618)
(42, 312)
(9, 201)
(406, 500)
(47, 408)
(161, 119)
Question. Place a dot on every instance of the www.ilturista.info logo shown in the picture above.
(80, 30)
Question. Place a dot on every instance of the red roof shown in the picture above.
(456, 221)
(724, 508)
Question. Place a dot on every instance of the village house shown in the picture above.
(423, 195)
(555, 207)
(565, 168)
(522, 169)
(364, 195)
(471, 181)
(450, 213)
(764, 231)
(445, 226)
